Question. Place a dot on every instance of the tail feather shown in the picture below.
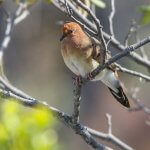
(120, 97)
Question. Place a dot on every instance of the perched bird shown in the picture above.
(82, 56)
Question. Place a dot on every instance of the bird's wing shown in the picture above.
(96, 54)
(120, 95)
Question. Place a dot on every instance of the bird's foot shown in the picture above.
(89, 76)
(77, 80)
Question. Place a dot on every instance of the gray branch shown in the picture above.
(132, 72)
(113, 10)
(77, 99)
(109, 137)
(20, 14)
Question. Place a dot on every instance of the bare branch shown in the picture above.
(131, 72)
(111, 16)
(5, 85)
(109, 123)
(142, 50)
(67, 9)
(139, 105)
(77, 99)
(109, 137)
(20, 14)
(132, 29)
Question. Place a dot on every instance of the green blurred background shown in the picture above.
(26, 129)
(34, 64)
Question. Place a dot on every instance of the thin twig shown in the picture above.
(67, 8)
(139, 105)
(20, 14)
(132, 29)
(111, 16)
(11, 21)
(109, 123)
(110, 138)
(142, 50)
(132, 72)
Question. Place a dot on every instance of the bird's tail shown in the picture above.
(110, 79)
(120, 96)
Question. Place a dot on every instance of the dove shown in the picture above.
(81, 55)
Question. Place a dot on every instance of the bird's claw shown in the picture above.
(77, 80)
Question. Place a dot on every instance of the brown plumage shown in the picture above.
(81, 55)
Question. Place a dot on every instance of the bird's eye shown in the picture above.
(70, 31)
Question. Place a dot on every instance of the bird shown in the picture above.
(82, 55)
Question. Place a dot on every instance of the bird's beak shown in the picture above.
(63, 36)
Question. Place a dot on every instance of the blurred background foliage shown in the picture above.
(26, 129)
(33, 63)
(145, 10)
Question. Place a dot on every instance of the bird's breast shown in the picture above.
(78, 63)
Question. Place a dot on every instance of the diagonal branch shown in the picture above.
(20, 14)
(132, 72)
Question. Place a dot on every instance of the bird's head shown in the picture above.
(70, 29)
